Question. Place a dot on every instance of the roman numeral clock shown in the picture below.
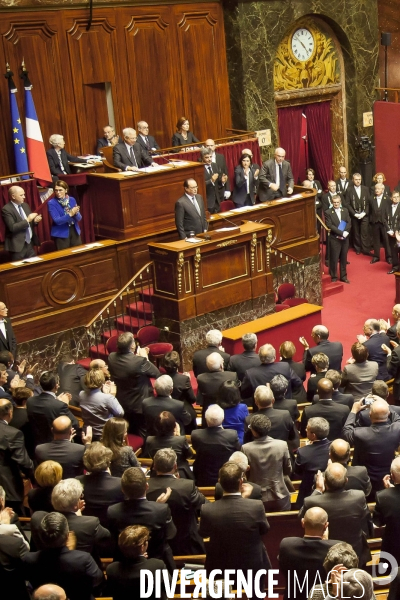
(302, 44)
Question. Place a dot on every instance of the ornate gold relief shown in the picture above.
(179, 267)
(320, 69)
(268, 241)
(197, 259)
(253, 246)
(227, 243)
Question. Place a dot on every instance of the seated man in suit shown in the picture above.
(214, 180)
(20, 223)
(147, 141)
(219, 160)
(59, 159)
(333, 350)
(109, 139)
(190, 216)
(357, 477)
(334, 413)
(130, 155)
(213, 339)
(153, 407)
(210, 382)
(248, 490)
(276, 177)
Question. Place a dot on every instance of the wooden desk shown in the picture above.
(287, 325)
(133, 206)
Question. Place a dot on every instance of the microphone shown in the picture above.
(228, 221)
(168, 160)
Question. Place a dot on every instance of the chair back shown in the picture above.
(46, 247)
(148, 335)
(226, 205)
(285, 291)
(108, 163)
(111, 344)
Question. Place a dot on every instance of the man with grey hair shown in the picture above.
(110, 138)
(219, 160)
(393, 362)
(240, 363)
(268, 368)
(357, 584)
(184, 500)
(279, 385)
(210, 382)
(153, 407)
(333, 350)
(249, 490)
(20, 222)
(130, 155)
(313, 457)
(387, 511)
(213, 446)
(213, 339)
(66, 499)
(49, 591)
(276, 177)
(59, 159)
(147, 141)
(214, 179)
(373, 339)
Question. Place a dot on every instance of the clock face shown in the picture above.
(302, 44)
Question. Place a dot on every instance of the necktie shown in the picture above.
(28, 233)
(196, 205)
(133, 157)
(147, 143)
(281, 180)
(209, 169)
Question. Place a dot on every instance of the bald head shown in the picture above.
(315, 521)
(49, 591)
(379, 410)
(320, 332)
(396, 311)
(62, 428)
(335, 477)
(339, 451)
(325, 389)
(16, 194)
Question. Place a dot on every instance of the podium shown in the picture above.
(193, 279)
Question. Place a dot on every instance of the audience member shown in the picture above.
(391, 218)
(110, 138)
(97, 403)
(287, 350)
(71, 377)
(357, 476)
(356, 201)
(320, 362)
(387, 510)
(239, 363)
(380, 389)
(49, 591)
(235, 413)
(377, 209)
(220, 161)
(47, 475)
(65, 215)
(147, 141)
(20, 222)
(154, 406)
(213, 179)
(339, 555)
(269, 461)
(3, 383)
(393, 360)
(184, 502)
(276, 177)
(130, 155)
(327, 197)
(210, 382)
(59, 159)
(391, 331)
(360, 374)
(213, 446)
(312, 457)
(183, 135)
(115, 437)
(246, 177)
(357, 584)
(190, 215)
(335, 378)
(20, 417)
(247, 490)
(333, 412)
(333, 350)
(213, 339)
(8, 340)
(62, 449)
(182, 389)
(279, 386)
(373, 341)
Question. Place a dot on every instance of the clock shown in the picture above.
(302, 44)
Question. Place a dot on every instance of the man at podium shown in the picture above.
(190, 216)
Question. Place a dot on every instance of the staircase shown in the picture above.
(329, 288)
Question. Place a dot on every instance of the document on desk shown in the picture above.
(154, 168)
(129, 173)
(227, 228)
(242, 209)
(33, 259)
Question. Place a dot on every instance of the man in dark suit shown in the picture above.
(357, 477)
(131, 374)
(137, 510)
(14, 458)
(235, 526)
(348, 514)
(253, 491)
(337, 396)
(190, 213)
(305, 556)
(279, 386)
(240, 363)
(109, 139)
(356, 201)
(213, 446)
(377, 210)
(185, 500)
(130, 156)
(20, 224)
(71, 376)
(326, 198)
(391, 218)
(387, 511)
(391, 332)
(210, 382)
(342, 183)
(59, 159)
(214, 180)
(63, 450)
(334, 413)
(333, 350)
(373, 343)
(276, 177)
(374, 446)
(320, 361)
(393, 362)
(44, 408)
(74, 571)
(263, 374)
(8, 341)
(337, 219)
(152, 407)
(213, 339)
(313, 457)
(219, 160)
(147, 141)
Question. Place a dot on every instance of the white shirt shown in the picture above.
(379, 200)
(358, 190)
(339, 214)
(277, 178)
(394, 207)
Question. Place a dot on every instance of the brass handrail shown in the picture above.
(249, 135)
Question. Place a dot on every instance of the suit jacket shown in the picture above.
(182, 388)
(269, 461)
(391, 333)
(131, 375)
(341, 186)
(12, 549)
(200, 357)
(100, 490)
(357, 378)
(310, 459)
(71, 379)
(66, 453)
(61, 221)
(213, 447)
(122, 159)
(387, 512)
(393, 363)
(355, 204)
(184, 502)
(178, 140)
(14, 459)
(256, 492)
(152, 407)
(299, 394)
(288, 404)
(208, 386)
(178, 443)
(358, 479)
(392, 221)
(9, 342)
(376, 354)
(102, 142)
(42, 410)
(339, 398)
(240, 190)
(332, 221)
(123, 578)
(312, 384)
(333, 350)
(151, 143)
(20, 421)
(282, 426)
(54, 163)
(235, 526)
(16, 227)
(334, 413)
(374, 447)
(212, 188)
(240, 363)
(268, 176)
(349, 518)
(187, 218)
(223, 169)
(74, 571)
(378, 214)
(264, 373)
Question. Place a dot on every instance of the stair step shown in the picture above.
(141, 308)
(145, 295)
(85, 362)
(98, 351)
(128, 323)
(331, 288)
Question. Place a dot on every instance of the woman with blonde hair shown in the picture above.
(97, 404)
(115, 437)
(47, 475)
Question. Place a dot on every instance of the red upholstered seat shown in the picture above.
(111, 344)
(46, 247)
(226, 205)
(285, 291)
(85, 362)
(135, 441)
(280, 307)
(149, 336)
(294, 302)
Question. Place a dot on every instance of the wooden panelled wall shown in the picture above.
(389, 21)
(161, 62)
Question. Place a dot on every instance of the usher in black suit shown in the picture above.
(356, 204)
(9, 342)
(338, 245)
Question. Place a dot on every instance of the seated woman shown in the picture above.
(47, 475)
(65, 215)
(235, 412)
(115, 437)
(168, 436)
(59, 159)
(182, 386)
(97, 404)
(183, 135)
(246, 176)
(379, 178)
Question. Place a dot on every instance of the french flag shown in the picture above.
(37, 158)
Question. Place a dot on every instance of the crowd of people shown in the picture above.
(89, 497)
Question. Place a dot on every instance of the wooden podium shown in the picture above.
(192, 279)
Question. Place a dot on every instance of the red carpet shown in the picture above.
(370, 294)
